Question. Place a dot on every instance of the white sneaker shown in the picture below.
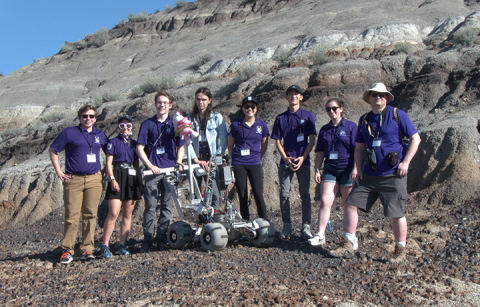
(306, 233)
(316, 240)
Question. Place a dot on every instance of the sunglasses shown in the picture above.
(381, 95)
(332, 108)
(88, 116)
(125, 126)
(249, 106)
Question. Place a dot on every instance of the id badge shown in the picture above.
(132, 172)
(91, 158)
(333, 155)
(160, 150)
(300, 137)
(245, 152)
(377, 142)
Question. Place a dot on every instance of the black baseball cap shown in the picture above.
(127, 117)
(295, 87)
(247, 100)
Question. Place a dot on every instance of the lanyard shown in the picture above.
(334, 137)
(91, 146)
(125, 141)
(369, 116)
(243, 129)
(161, 133)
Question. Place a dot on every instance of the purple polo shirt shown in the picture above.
(288, 126)
(162, 136)
(121, 151)
(247, 137)
(78, 143)
(390, 136)
(340, 139)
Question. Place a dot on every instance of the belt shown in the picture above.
(122, 165)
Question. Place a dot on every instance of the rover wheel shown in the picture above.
(214, 236)
(265, 233)
(179, 234)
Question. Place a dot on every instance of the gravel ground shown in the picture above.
(442, 267)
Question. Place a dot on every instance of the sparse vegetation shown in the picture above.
(246, 73)
(190, 79)
(210, 77)
(156, 84)
(10, 133)
(168, 7)
(1, 74)
(179, 3)
(156, 66)
(204, 58)
(403, 48)
(52, 117)
(122, 21)
(142, 16)
(100, 37)
(466, 37)
(107, 96)
(282, 54)
(97, 40)
(318, 55)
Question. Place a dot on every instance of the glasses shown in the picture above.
(125, 126)
(381, 95)
(249, 106)
(332, 108)
(88, 116)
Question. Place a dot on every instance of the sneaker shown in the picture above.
(66, 258)
(316, 240)
(122, 249)
(399, 254)
(286, 231)
(87, 256)
(346, 250)
(106, 252)
(306, 233)
(146, 246)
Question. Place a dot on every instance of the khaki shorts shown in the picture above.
(392, 190)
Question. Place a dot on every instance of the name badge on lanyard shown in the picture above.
(132, 172)
(91, 158)
(160, 150)
(245, 152)
(377, 142)
(333, 155)
(300, 137)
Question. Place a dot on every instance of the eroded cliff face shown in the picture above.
(434, 80)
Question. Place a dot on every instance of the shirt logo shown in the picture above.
(259, 129)
(97, 140)
(169, 129)
(109, 146)
(342, 133)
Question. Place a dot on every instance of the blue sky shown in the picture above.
(37, 29)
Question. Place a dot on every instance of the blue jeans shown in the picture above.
(154, 189)
(285, 175)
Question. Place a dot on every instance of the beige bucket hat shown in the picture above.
(379, 88)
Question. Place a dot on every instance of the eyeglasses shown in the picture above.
(332, 108)
(88, 116)
(249, 106)
(381, 95)
(124, 126)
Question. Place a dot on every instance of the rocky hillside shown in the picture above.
(425, 51)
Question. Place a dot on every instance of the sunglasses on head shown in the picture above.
(332, 108)
(249, 106)
(381, 95)
(88, 115)
(125, 126)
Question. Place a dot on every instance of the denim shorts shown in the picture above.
(342, 176)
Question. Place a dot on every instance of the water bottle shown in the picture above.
(329, 227)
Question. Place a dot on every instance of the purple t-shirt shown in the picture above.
(290, 127)
(160, 145)
(78, 143)
(389, 135)
(121, 151)
(340, 139)
(248, 141)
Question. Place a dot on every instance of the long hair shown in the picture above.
(205, 91)
(339, 102)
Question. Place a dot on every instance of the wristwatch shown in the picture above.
(112, 178)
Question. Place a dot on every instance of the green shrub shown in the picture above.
(168, 7)
(209, 77)
(246, 73)
(282, 54)
(11, 133)
(466, 37)
(53, 117)
(67, 47)
(318, 55)
(190, 79)
(100, 37)
(142, 16)
(156, 84)
(136, 92)
(179, 3)
(81, 44)
(204, 58)
(107, 96)
(403, 48)
(122, 21)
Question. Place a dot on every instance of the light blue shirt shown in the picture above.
(216, 134)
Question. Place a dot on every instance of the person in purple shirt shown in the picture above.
(247, 144)
(125, 185)
(158, 147)
(296, 127)
(336, 145)
(382, 159)
(82, 180)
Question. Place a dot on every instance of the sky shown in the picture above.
(33, 29)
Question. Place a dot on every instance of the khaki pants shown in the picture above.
(81, 194)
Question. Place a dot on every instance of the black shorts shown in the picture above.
(392, 190)
(130, 186)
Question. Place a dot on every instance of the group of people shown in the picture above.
(364, 161)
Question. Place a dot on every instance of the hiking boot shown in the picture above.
(161, 245)
(399, 254)
(66, 258)
(316, 240)
(87, 256)
(306, 233)
(106, 252)
(122, 249)
(146, 247)
(286, 231)
(346, 250)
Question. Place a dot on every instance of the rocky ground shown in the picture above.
(442, 267)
